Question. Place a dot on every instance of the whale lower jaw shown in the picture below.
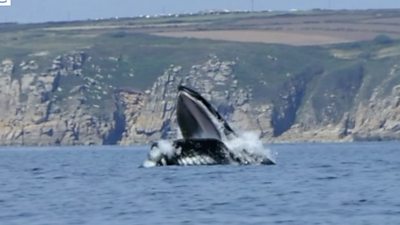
(183, 161)
(196, 160)
(194, 152)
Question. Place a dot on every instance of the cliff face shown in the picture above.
(36, 110)
(87, 96)
(379, 119)
(313, 105)
(80, 98)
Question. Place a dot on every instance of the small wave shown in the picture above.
(327, 178)
(60, 177)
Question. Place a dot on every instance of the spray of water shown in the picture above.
(165, 147)
(252, 144)
(158, 153)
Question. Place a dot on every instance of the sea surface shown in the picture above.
(357, 183)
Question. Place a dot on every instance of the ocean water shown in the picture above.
(357, 183)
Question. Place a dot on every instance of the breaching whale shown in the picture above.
(204, 134)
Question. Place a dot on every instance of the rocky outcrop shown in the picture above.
(36, 110)
(378, 119)
(131, 103)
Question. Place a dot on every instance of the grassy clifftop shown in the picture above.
(138, 51)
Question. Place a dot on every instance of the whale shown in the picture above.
(205, 138)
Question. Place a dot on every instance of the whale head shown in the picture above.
(207, 138)
(198, 119)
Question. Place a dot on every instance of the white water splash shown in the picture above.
(251, 142)
(148, 164)
(166, 148)
(158, 153)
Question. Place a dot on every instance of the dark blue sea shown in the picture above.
(357, 183)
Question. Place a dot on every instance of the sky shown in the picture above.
(32, 11)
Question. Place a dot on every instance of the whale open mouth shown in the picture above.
(207, 138)
(197, 118)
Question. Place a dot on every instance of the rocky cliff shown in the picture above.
(65, 103)
(37, 110)
(63, 87)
